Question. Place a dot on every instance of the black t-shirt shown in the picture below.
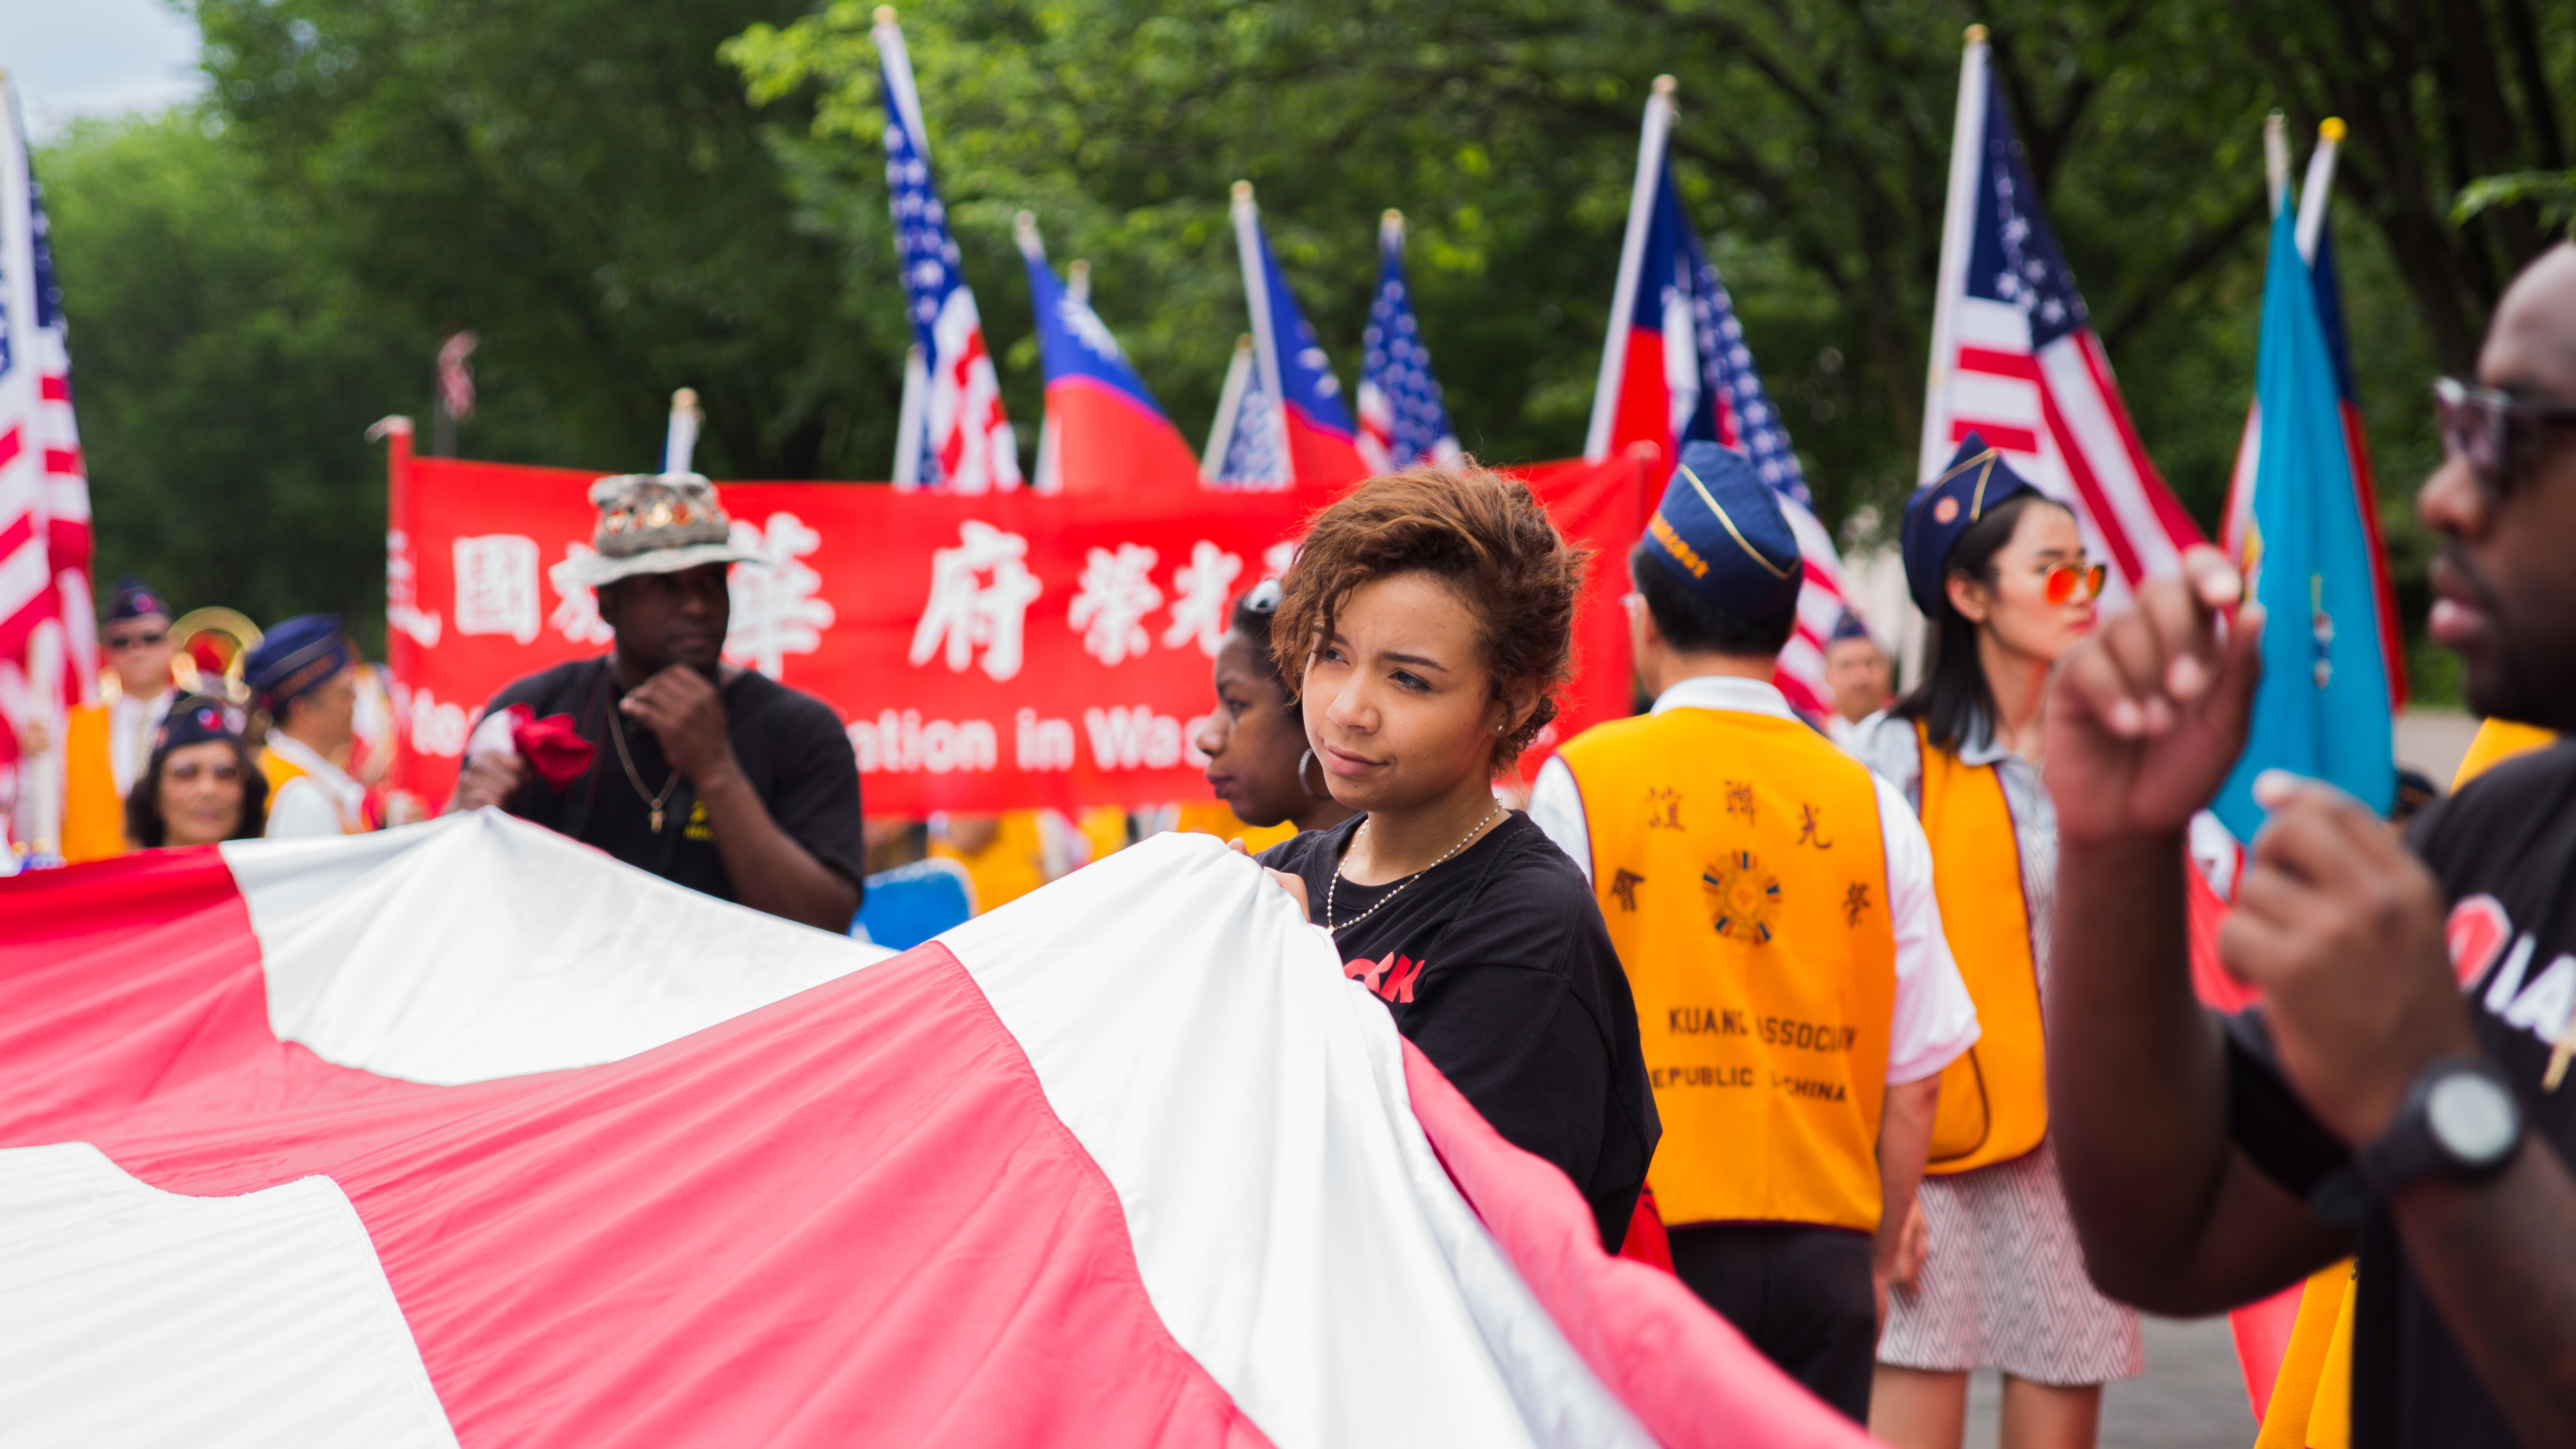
(790, 745)
(1496, 964)
(2504, 849)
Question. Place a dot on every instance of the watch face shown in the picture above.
(2474, 1119)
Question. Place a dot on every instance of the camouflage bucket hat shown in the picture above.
(655, 523)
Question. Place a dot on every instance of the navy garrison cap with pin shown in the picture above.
(299, 654)
(135, 599)
(1720, 531)
(1940, 511)
(195, 720)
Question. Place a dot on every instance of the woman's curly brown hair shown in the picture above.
(1484, 534)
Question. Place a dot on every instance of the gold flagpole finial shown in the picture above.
(1976, 35)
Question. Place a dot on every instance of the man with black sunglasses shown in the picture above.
(106, 745)
(2419, 1014)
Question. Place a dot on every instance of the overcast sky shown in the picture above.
(73, 58)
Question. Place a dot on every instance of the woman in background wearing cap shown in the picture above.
(201, 785)
(2000, 570)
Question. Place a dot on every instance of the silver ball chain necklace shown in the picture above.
(1401, 886)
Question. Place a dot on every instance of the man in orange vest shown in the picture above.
(1772, 904)
(107, 744)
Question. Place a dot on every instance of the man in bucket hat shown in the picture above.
(702, 772)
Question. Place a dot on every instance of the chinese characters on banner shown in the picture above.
(984, 653)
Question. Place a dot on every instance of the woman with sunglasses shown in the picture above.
(202, 785)
(1999, 568)
(1255, 739)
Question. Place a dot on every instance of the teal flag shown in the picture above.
(2322, 709)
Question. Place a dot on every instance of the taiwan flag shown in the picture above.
(1676, 368)
(1104, 433)
(1293, 375)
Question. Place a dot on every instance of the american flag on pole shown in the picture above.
(1291, 411)
(2015, 359)
(48, 633)
(961, 442)
(1401, 419)
(1676, 368)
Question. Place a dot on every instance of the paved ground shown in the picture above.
(2193, 1395)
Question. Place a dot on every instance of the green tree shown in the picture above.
(580, 182)
(225, 375)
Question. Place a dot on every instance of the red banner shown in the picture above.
(988, 653)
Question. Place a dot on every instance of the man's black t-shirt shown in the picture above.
(790, 745)
(1497, 966)
(2504, 849)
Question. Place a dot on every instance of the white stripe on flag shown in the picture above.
(1285, 1080)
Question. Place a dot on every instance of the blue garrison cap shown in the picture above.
(195, 720)
(297, 655)
(1849, 626)
(1720, 531)
(135, 599)
(1940, 511)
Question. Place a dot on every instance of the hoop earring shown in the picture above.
(1312, 793)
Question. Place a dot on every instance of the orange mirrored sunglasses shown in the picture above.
(2060, 581)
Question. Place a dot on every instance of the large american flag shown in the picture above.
(1401, 419)
(2015, 359)
(1676, 368)
(48, 634)
(956, 439)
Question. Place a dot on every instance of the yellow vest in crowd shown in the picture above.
(1994, 1099)
(1738, 862)
(93, 813)
(280, 769)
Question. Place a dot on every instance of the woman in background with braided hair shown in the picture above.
(1424, 629)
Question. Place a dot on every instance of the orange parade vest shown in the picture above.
(1013, 865)
(1994, 1099)
(1738, 862)
(279, 770)
(93, 813)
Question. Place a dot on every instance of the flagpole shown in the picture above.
(38, 813)
(2276, 158)
(2318, 190)
(1958, 219)
(1238, 376)
(911, 416)
(1049, 477)
(1256, 290)
(1651, 141)
(904, 93)
(1077, 280)
(680, 441)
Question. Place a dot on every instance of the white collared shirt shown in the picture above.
(130, 725)
(324, 802)
(1934, 1019)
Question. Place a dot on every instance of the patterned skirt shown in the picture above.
(2003, 1285)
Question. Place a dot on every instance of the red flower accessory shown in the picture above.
(552, 746)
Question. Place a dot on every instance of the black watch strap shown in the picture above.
(2412, 1148)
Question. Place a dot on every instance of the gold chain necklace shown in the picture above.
(1332, 885)
(617, 731)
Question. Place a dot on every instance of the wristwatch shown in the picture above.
(2459, 1119)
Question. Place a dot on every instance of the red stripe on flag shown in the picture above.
(2178, 527)
(906, 1247)
(2365, 487)
(1999, 364)
(63, 461)
(1634, 1325)
(55, 388)
(2089, 488)
(12, 443)
(2001, 435)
